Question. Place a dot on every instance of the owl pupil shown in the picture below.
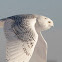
(49, 22)
(45, 18)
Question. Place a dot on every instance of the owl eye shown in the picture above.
(45, 18)
(49, 21)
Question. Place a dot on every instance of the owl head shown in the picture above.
(44, 23)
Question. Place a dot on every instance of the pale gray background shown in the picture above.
(49, 8)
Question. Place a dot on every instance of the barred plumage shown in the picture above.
(22, 33)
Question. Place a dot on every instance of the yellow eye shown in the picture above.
(49, 21)
(45, 18)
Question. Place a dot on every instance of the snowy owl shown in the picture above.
(22, 33)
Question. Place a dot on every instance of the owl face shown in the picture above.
(44, 23)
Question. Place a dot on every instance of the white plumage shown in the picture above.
(22, 33)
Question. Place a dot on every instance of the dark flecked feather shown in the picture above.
(21, 26)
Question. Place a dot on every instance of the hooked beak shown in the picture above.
(52, 24)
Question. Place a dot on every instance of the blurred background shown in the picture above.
(49, 8)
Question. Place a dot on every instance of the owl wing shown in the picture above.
(40, 53)
(16, 50)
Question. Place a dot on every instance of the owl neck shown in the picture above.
(38, 29)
